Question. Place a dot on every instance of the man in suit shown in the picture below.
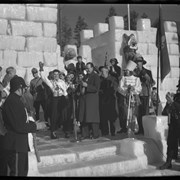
(107, 102)
(147, 82)
(15, 141)
(91, 119)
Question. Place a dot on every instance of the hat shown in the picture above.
(34, 70)
(17, 82)
(139, 58)
(131, 65)
(114, 59)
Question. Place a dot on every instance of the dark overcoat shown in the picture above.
(92, 98)
(14, 116)
(107, 97)
(81, 104)
(174, 125)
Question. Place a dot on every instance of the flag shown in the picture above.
(162, 47)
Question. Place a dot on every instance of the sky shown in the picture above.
(96, 13)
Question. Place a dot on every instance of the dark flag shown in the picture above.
(178, 32)
(162, 47)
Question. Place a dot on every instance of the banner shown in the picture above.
(162, 47)
(178, 33)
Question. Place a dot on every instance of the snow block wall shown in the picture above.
(109, 38)
(27, 36)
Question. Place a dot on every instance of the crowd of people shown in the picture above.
(93, 96)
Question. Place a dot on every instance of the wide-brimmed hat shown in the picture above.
(139, 58)
(17, 82)
(114, 59)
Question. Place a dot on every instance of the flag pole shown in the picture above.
(157, 105)
(163, 56)
(158, 61)
(128, 7)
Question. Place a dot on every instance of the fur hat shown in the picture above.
(17, 82)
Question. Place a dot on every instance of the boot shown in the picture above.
(167, 164)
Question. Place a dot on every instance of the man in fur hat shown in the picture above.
(147, 82)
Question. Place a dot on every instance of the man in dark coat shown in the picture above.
(147, 82)
(2, 128)
(172, 110)
(91, 86)
(107, 100)
(79, 101)
(67, 111)
(15, 140)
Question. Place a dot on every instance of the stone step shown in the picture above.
(77, 153)
(85, 158)
(107, 166)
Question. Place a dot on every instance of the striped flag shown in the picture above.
(162, 47)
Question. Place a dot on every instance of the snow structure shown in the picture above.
(28, 35)
(109, 38)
